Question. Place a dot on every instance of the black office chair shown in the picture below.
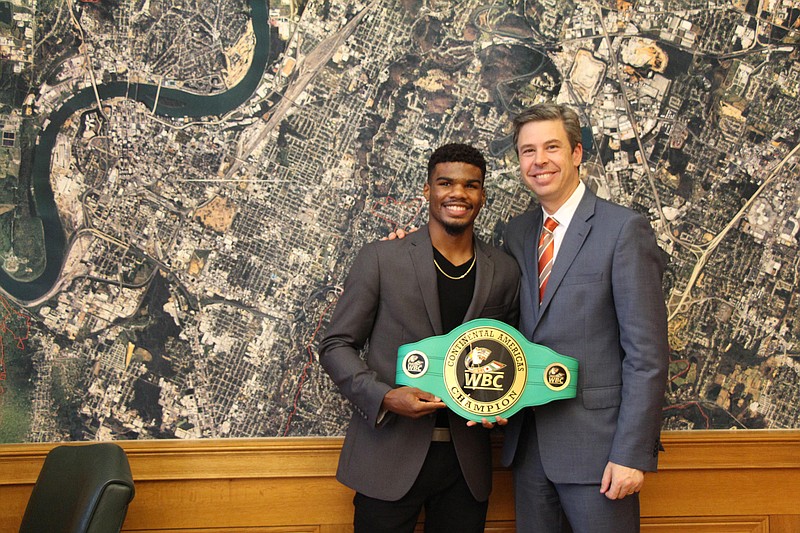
(80, 489)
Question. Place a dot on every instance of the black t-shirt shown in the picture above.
(456, 285)
(455, 295)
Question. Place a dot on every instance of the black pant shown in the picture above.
(440, 489)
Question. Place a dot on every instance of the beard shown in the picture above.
(455, 229)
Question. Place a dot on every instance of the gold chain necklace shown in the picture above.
(462, 276)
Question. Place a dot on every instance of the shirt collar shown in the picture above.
(565, 213)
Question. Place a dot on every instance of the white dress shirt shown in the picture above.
(564, 216)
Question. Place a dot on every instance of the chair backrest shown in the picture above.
(80, 489)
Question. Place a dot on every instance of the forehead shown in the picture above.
(456, 170)
(542, 131)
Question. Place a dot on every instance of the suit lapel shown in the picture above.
(577, 232)
(483, 280)
(421, 252)
(530, 245)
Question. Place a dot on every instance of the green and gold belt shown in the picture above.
(485, 368)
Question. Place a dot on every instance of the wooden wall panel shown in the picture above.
(716, 481)
(284, 529)
(729, 524)
(784, 523)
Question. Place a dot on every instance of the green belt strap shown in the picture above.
(485, 368)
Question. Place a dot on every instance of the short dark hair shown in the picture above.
(550, 111)
(457, 153)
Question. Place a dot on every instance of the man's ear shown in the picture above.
(426, 191)
(577, 155)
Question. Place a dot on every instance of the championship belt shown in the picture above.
(485, 368)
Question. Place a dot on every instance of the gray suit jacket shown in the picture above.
(390, 298)
(604, 305)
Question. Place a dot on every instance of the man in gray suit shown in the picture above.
(404, 450)
(580, 463)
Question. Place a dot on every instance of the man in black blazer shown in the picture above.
(404, 450)
(580, 463)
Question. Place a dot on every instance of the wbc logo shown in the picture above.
(482, 376)
(415, 364)
(485, 371)
(556, 377)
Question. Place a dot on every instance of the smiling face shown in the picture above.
(455, 195)
(549, 166)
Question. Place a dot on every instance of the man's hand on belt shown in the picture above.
(498, 420)
(411, 402)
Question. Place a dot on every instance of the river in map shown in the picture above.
(171, 102)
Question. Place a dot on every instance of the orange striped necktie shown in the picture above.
(546, 248)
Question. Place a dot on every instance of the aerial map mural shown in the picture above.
(184, 185)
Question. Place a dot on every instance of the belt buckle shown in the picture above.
(441, 435)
